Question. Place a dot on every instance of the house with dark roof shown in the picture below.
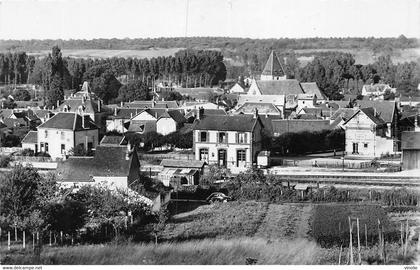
(231, 141)
(366, 134)
(64, 131)
(192, 115)
(116, 166)
(387, 110)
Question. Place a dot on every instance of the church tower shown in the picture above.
(273, 70)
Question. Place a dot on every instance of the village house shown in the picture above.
(231, 141)
(312, 88)
(117, 167)
(64, 131)
(192, 115)
(120, 119)
(377, 90)
(366, 134)
(163, 121)
(237, 88)
(178, 173)
(262, 108)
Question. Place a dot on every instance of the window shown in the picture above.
(63, 148)
(241, 138)
(90, 145)
(355, 148)
(46, 147)
(240, 157)
(203, 136)
(62, 137)
(204, 154)
(365, 145)
(222, 137)
(46, 133)
(41, 146)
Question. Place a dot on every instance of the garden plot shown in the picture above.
(285, 221)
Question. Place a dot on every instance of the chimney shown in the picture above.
(256, 113)
(83, 120)
(115, 111)
(58, 104)
(99, 105)
(131, 115)
(127, 154)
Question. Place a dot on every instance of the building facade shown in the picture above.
(232, 142)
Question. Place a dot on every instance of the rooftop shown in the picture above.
(31, 137)
(69, 121)
(280, 87)
(180, 163)
(410, 140)
(273, 66)
(242, 122)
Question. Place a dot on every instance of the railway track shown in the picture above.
(350, 179)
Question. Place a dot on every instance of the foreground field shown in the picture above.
(209, 251)
(248, 232)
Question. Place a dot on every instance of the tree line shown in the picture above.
(189, 68)
(228, 43)
(337, 74)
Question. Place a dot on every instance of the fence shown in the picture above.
(32, 159)
(9, 150)
(167, 156)
(325, 163)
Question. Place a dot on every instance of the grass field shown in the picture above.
(155, 52)
(234, 232)
(229, 220)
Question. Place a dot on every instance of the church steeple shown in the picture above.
(273, 69)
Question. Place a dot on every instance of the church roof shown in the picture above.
(280, 87)
(273, 66)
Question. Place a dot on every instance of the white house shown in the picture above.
(169, 122)
(120, 119)
(365, 134)
(64, 131)
(237, 88)
(163, 121)
(377, 90)
(30, 141)
(229, 141)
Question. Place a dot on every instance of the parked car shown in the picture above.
(218, 197)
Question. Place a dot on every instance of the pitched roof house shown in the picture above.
(231, 141)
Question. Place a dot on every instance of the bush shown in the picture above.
(11, 140)
(308, 142)
(27, 152)
(42, 154)
(80, 150)
(4, 161)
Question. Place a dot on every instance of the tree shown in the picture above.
(159, 223)
(22, 95)
(103, 81)
(67, 216)
(18, 193)
(134, 90)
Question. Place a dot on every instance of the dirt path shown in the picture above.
(285, 221)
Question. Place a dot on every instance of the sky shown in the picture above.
(88, 19)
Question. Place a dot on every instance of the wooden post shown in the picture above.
(358, 242)
(50, 238)
(61, 237)
(366, 237)
(8, 240)
(406, 239)
(379, 239)
(16, 237)
(339, 255)
(23, 239)
(33, 241)
(402, 238)
(351, 242)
